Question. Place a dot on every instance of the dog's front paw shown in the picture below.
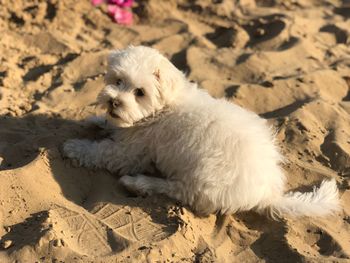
(135, 185)
(75, 150)
(97, 121)
(72, 148)
(129, 182)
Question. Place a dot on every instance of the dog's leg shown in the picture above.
(147, 185)
(107, 154)
(87, 153)
(99, 121)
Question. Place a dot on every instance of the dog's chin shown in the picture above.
(117, 121)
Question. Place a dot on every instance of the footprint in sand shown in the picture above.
(321, 242)
(270, 33)
(60, 226)
(340, 35)
(85, 234)
(133, 224)
(234, 36)
(109, 229)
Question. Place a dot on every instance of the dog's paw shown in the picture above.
(135, 185)
(96, 121)
(74, 150)
(129, 182)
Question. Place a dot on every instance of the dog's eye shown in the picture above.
(119, 82)
(139, 92)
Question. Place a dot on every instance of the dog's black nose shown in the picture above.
(115, 103)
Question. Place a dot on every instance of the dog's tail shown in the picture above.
(320, 202)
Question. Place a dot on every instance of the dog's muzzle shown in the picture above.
(113, 104)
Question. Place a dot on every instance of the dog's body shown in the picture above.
(214, 156)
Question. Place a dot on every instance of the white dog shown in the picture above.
(214, 156)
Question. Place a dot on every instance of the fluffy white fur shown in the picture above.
(215, 156)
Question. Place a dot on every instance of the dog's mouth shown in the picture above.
(113, 114)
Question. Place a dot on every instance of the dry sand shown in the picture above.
(288, 61)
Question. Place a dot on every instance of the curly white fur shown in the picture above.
(215, 156)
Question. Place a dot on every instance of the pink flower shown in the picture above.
(96, 2)
(119, 15)
(121, 3)
(111, 9)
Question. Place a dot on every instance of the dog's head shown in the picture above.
(139, 83)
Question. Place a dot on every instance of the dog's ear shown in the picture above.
(113, 58)
(170, 80)
(156, 73)
(117, 53)
(113, 55)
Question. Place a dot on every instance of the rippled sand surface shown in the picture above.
(288, 61)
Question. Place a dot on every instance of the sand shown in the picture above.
(288, 61)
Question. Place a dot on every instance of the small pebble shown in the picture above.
(142, 247)
(56, 243)
(267, 84)
(27, 107)
(260, 32)
(262, 20)
(6, 244)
